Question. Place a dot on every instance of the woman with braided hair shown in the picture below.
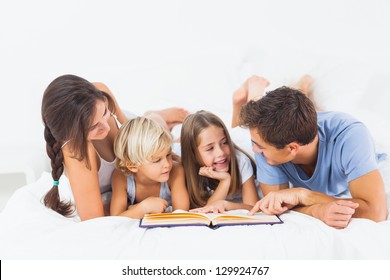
(81, 122)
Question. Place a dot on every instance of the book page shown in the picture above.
(231, 213)
(175, 218)
(243, 218)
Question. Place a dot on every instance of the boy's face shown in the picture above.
(272, 155)
(159, 168)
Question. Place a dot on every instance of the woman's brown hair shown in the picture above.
(68, 108)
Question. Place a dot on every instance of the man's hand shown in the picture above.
(336, 214)
(277, 202)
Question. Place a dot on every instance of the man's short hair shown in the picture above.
(282, 116)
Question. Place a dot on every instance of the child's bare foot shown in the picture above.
(240, 96)
(251, 89)
(256, 87)
(171, 116)
(305, 84)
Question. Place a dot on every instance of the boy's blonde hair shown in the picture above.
(138, 141)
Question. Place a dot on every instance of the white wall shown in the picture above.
(180, 53)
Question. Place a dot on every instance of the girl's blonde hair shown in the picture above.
(197, 185)
(138, 141)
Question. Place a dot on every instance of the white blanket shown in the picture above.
(28, 230)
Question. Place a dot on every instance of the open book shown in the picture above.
(184, 218)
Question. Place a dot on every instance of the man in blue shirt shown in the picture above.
(328, 158)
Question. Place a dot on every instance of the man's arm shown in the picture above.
(368, 201)
(334, 212)
(369, 191)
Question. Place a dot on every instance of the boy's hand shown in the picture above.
(153, 205)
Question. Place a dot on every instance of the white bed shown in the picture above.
(199, 70)
(30, 231)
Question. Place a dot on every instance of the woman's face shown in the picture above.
(214, 149)
(100, 126)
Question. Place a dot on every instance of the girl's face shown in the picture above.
(158, 168)
(213, 148)
(100, 126)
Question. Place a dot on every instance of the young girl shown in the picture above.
(218, 174)
(146, 176)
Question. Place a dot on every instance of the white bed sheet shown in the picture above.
(28, 230)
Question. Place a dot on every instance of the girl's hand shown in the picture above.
(153, 205)
(218, 206)
(222, 189)
(209, 172)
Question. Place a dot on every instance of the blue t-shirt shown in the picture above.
(346, 151)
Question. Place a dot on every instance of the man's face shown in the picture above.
(272, 155)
